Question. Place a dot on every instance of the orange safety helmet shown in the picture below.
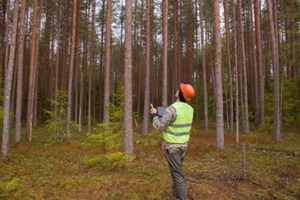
(188, 91)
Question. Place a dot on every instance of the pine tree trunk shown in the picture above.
(77, 67)
(8, 83)
(20, 73)
(70, 83)
(229, 65)
(147, 76)
(101, 74)
(91, 67)
(274, 47)
(244, 70)
(165, 53)
(205, 99)
(218, 76)
(128, 131)
(32, 71)
(260, 76)
(6, 41)
(36, 75)
(236, 73)
(107, 63)
(175, 34)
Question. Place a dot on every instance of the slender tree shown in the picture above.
(127, 136)
(107, 62)
(32, 72)
(218, 78)
(20, 73)
(147, 73)
(91, 67)
(275, 64)
(261, 85)
(70, 83)
(205, 98)
(225, 3)
(8, 83)
(236, 75)
(165, 53)
(243, 68)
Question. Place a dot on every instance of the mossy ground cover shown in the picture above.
(80, 170)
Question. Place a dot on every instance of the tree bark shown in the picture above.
(147, 75)
(205, 98)
(70, 83)
(20, 73)
(107, 63)
(274, 47)
(32, 72)
(218, 77)
(91, 67)
(260, 70)
(244, 70)
(128, 135)
(229, 65)
(165, 53)
(8, 83)
(236, 73)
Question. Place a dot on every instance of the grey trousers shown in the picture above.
(175, 164)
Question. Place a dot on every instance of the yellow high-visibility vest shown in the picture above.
(178, 132)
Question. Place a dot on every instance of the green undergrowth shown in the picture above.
(83, 169)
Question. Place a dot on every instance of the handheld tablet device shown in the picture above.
(161, 110)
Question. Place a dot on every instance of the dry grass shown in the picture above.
(58, 171)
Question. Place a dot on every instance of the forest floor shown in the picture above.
(80, 170)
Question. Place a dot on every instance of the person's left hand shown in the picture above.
(153, 111)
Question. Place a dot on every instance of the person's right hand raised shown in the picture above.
(153, 111)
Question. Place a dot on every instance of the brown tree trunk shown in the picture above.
(101, 82)
(175, 55)
(236, 73)
(6, 41)
(91, 67)
(147, 78)
(205, 99)
(274, 47)
(218, 76)
(260, 70)
(77, 64)
(127, 136)
(36, 75)
(32, 72)
(8, 83)
(165, 53)
(229, 65)
(244, 70)
(107, 63)
(20, 73)
(70, 83)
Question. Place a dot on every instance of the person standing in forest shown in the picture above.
(176, 124)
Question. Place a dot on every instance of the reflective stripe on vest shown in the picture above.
(178, 132)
